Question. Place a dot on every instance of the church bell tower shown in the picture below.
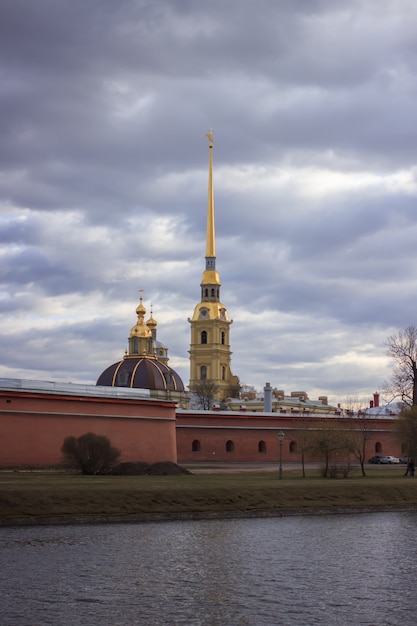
(210, 353)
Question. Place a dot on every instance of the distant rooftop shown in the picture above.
(73, 389)
(393, 408)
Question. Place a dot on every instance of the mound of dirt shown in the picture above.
(129, 468)
(163, 468)
(167, 468)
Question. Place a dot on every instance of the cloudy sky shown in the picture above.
(103, 183)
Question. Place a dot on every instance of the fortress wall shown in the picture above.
(214, 429)
(33, 427)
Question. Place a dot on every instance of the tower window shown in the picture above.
(203, 372)
(204, 336)
(135, 346)
(223, 373)
(206, 292)
(212, 293)
(223, 337)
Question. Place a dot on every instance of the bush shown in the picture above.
(92, 454)
(336, 470)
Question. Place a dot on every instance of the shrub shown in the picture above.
(92, 454)
(336, 470)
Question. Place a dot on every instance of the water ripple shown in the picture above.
(339, 570)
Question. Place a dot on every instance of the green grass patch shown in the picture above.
(25, 495)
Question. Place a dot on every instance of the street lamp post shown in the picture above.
(281, 437)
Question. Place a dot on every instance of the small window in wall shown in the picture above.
(223, 337)
(262, 447)
(378, 447)
(223, 373)
(230, 446)
(196, 446)
(203, 372)
(204, 336)
(293, 447)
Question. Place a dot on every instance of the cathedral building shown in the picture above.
(210, 353)
(145, 364)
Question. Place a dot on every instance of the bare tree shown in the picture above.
(305, 439)
(406, 427)
(402, 348)
(352, 405)
(333, 445)
(358, 424)
(206, 393)
(233, 390)
(359, 437)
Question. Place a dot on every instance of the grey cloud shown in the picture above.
(103, 181)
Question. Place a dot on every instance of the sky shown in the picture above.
(104, 107)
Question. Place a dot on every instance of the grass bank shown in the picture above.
(42, 497)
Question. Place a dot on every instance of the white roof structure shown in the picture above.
(73, 389)
(387, 410)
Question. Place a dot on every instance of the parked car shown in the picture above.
(389, 460)
(375, 459)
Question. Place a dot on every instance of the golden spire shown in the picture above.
(211, 240)
(210, 275)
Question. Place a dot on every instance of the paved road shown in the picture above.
(220, 468)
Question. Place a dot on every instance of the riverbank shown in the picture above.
(57, 498)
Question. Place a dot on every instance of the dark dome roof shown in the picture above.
(141, 373)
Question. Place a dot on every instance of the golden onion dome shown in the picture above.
(140, 329)
(151, 322)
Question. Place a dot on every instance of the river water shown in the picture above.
(328, 570)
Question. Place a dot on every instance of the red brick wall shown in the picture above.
(213, 429)
(33, 427)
